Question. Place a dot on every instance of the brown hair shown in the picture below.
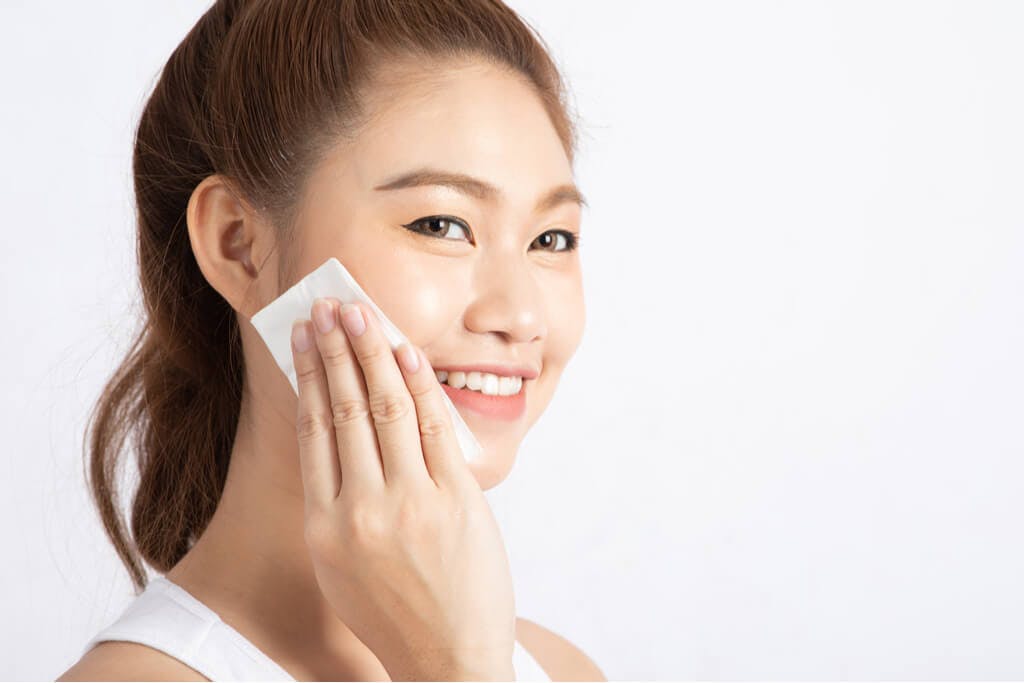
(257, 91)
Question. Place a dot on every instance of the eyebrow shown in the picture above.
(478, 188)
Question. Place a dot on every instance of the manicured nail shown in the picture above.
(302, 340)
(323, 315)
(352, 319)
(408, 357)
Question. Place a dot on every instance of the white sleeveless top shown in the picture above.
(168, 618)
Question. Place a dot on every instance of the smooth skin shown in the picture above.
(492, 292)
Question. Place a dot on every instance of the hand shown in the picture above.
(404, 544)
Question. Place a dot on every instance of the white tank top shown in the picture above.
(168, 618)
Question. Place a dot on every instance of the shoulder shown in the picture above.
(118, 660)
(562, 660)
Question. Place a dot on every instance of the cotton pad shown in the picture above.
(274, 323)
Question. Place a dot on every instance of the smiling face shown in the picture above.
(454, 210)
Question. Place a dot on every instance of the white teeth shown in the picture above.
(490, 385)
(484, 382)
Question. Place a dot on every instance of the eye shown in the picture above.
(436, 226)
(570, 239)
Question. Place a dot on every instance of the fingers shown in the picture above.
(391, 406)
(365, 416)
(318, 457)
(347, 401)
(441, 451)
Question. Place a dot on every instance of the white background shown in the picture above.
(790, 445)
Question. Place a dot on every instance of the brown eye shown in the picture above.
(546, 240)
(438, 226)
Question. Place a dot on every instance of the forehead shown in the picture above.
(471, 118)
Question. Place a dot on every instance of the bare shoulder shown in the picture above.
(118, 660)
(559, 658)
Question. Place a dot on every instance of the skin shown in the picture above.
(494, 295)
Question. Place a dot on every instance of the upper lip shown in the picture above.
(499, 369)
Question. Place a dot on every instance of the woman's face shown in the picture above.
(495, 284)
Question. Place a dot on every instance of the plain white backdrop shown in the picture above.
(791, 443)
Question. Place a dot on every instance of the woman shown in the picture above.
(340, 535)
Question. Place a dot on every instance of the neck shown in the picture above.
(251, 565)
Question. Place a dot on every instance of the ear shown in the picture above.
(228, 240)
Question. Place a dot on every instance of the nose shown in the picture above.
(508, 302)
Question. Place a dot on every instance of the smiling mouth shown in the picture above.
(508, 407)
(485, 383)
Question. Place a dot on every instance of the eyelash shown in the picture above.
(572, 239)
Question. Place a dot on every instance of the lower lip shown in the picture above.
(501, 407)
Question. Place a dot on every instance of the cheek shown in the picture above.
(420, 293)
(566, 316)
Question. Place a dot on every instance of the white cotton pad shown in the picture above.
(274, 323)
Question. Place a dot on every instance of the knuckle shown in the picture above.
(311, 426)
(375, 354)
(421, 392)
(335, 355)
(348, 410)
(305, 376)
(433, 427)
(388, 408)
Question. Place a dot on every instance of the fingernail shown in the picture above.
(302, 340)
(323, 315)
(352, 319)
(408, 357)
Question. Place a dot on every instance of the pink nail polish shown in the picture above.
(409, 358)
(323, 315)
(302, 340)
(352, 319)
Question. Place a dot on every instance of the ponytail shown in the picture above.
(178, 392)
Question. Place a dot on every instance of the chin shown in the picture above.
(491, 471)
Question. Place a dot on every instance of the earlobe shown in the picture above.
(222, 231)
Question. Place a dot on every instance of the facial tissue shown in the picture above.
(274, 324)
